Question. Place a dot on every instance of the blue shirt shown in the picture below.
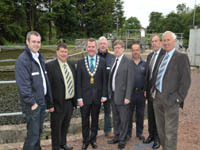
(140, 72)
(94, 60)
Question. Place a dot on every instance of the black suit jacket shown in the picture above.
(91, 93)
(148, 81)
(176, 80)
(57, 83)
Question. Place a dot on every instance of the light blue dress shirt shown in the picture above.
(169, 58)
(94, 60)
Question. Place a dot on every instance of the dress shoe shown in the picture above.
(66, 147)
(128, 137)
(121, 146)
(112, 141)
(84, 146)
(140, 137)
(156, 144)
(148, 140)
(94, 145)
(109, 134)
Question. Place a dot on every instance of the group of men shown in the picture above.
(118, 82)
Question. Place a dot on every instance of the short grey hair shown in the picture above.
(169, 32)
(28, 36)
(103, 38)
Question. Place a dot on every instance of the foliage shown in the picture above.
(132, 23)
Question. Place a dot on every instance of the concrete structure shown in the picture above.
(194, 47)
(17, 133)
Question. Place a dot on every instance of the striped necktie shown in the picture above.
(160, 72)
(70, 89)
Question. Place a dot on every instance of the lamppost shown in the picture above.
(194, 13)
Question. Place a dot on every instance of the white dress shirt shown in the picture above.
(118, 62)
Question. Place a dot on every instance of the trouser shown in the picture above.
(138, 104)
(60, 122)
(34, 120)
(166, 121)
(151, 120)
(120, 121)
(89, 133)
(107, 117)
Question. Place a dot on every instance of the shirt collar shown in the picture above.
(170, 53)
(94, 57)
(60, 62)
(35, 55)
(119, 59)
(157, 52)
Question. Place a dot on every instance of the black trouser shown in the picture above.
(89, 133)
(151, 120)
(60, 122)
(138, 104)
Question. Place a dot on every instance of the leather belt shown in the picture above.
(139, 89)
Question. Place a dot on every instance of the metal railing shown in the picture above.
(14, 82)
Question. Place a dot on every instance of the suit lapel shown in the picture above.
(121, 64)
(58, 70)
(72, 69)
(171, 62)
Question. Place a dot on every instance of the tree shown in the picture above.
(156, 22)
(181, 8)
(118, 15)
(132, 23)
(12, 15)
(173, 23)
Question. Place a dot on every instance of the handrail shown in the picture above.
(13, 82)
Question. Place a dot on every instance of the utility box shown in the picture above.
(194, 47)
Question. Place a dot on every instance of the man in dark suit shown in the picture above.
(62, 77)
(103, 52)
(172, 82)
(152, 63)
(120, 86)
(91, 92)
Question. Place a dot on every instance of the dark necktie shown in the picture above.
(151, 64)
(91, 65)
(112, 72)
(69, 81)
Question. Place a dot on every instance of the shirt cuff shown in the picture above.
(79, 99)
(105, 98)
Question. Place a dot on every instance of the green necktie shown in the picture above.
(91, 65)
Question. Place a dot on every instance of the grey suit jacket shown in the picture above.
(124, 81)
(176, 80)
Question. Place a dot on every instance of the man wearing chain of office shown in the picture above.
(91, 92)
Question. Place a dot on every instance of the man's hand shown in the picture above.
(35, 106)
(126, 101)
(80, 103)
(103, 99)
(145, 94)
(51, 109)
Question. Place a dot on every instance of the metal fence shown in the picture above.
(14, 82)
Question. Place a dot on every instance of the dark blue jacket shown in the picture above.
(108, 58)
(29, 81)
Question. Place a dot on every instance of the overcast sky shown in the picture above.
(142, 8)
